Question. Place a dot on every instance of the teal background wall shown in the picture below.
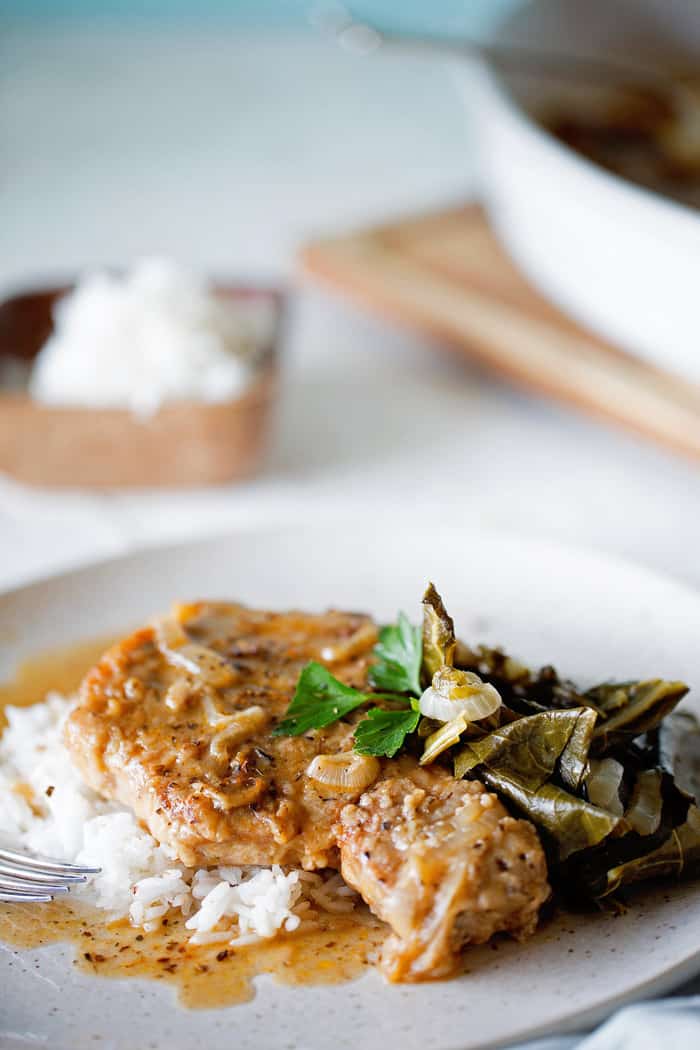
(443, 15)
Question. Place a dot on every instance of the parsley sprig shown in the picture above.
(321, 699)
(384, 732)
(399, 654)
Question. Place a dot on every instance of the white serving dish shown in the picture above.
(622, 260)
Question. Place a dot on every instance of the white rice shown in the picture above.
(46, 808)
(156, 334)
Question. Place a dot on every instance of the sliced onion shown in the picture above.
(359, 641)
(204, 662)
(444, 737)
(170, 634)
(603, 785)
(344, 772)
(644, 813)
(178, 694)
(216, 718)
(196, 659)
(455, 693)
(227, 800)
(239, 726)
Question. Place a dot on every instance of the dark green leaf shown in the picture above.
(679, 750)
(678, 855)
(525, 691)
(319, 700)
(599, 847)
(398, 656)
(527, 749)
(657, 808)
(383, 733)
(519, 759)
(630, 709)
(573, 824)
(438, 633)
(573, 761)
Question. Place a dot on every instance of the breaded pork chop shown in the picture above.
(445, 866)
(176, 722)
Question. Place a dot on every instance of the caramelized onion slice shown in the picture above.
(344, 772)
(443, 738)
(198, 660)
(453, 693)
(178, 694)
(603, 785)
(644, 813)
(359, 642)
(239, 726)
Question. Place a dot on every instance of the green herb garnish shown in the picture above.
(319, 700)
(399, 653)
(383, 733)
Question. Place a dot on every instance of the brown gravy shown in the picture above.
(333, 949)
(327, 949)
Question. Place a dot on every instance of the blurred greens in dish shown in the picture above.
(609, 775)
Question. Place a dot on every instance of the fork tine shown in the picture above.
(15, 897)
(21, 871)
(37, 880)
(7, 882)
(47, 867)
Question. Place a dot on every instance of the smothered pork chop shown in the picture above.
(178, 721)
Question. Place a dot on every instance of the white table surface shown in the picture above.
(226, 149)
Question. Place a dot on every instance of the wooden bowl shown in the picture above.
(184, 443)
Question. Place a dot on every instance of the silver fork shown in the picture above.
(35, 880)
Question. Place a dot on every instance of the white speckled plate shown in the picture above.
(593, 617)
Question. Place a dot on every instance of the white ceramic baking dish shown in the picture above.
(623, 260)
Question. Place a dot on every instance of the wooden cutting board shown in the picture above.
(447, 275)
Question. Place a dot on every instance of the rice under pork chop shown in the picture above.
(176, 722)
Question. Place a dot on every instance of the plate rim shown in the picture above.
(337, 520)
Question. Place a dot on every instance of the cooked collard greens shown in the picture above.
(609, 775)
